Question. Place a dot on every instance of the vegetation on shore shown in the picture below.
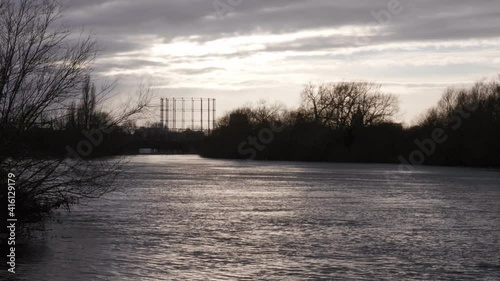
(45, 69)
(354, 122)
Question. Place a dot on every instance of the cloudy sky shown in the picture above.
(243, 50)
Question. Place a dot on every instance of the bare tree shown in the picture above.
(317, 102)
(44, 67)
(261, 113)
(39, 69)
(482, 97)
(264, 112)
(337, 104)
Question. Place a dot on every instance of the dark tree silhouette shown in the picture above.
(44, 67)
(337, 104)
(351, 121)
(471, 120)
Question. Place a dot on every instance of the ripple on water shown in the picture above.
(187, 218)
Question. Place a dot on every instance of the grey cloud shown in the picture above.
(125, 25)
(132, 25)
(127, 64)
(120, 22)
(107, 45)
(420, 85)
(195, 71)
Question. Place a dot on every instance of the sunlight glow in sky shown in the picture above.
(269, 49)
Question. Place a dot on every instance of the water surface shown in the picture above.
(187, 218)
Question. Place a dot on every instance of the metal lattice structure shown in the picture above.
(195, 114)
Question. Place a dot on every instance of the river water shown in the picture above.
(188, 218)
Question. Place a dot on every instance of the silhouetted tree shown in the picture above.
(471, 120)
(336, 104)
(351, 121)
(43, 69)
(260, 114)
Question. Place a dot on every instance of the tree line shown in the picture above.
(355, 122)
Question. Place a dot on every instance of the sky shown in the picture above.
(240, 51)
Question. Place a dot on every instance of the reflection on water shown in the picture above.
(186, 218)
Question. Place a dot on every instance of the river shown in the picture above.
(188, 218)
